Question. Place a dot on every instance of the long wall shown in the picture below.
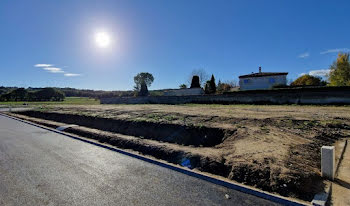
(325, 95)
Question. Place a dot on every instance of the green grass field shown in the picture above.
(67, 100)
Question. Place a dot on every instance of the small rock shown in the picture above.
(227, 196)
(284, 185)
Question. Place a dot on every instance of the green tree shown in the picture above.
(45, 94)
(19, 94)
(183, 86)
(202, 75)
(219, 85)
(142, 81)
(195, 82)
(308, 80)
(207, 87)
(144, 90)
(225, 86)
(48, 94)
(212, 84)
(340, 71)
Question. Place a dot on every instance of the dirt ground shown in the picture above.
(341, 186)
(275, 148)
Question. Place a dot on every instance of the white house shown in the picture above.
(262, 80)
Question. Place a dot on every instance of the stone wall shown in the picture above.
(184, 92)
(324, 95)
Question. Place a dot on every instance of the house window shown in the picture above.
(246, 81)
(272, 80)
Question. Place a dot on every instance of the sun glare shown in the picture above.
(102, 39)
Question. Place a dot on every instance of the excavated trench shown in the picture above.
(258, 174)
(172, 133)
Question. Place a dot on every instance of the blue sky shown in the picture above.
(166, 38)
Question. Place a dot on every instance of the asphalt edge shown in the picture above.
(241, 188)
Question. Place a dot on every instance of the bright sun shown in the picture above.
(102, 39)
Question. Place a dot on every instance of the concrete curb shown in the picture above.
(62, 128)
(322, 198)
(238, 187)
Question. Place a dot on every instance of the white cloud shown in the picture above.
(43, 65)
(53, 69)
(304, 55)
(71, 75)
(317, 73)
(335, 50)
(320, 72)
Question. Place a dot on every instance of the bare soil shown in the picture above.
(274, 148)
(341, 186)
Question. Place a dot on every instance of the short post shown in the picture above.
(10, 109)
(328, 162)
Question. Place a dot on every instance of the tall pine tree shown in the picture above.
(212, 84)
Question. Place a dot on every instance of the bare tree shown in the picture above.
(232, 83)
(203, 76)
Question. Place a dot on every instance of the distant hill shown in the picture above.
(72, 92)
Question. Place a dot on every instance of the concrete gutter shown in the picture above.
(228, 184)
(62, 128)
(321, 199)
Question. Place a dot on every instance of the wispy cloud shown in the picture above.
(71, 75)
(317, 73)
(335, 50)
(304, 55)
(43, 65)
(320, 72)
(53, 69)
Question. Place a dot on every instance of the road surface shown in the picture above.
(5, 108)
(40, 167)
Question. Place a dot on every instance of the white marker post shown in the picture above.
(328, 162)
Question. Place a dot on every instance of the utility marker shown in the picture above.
(328, 162)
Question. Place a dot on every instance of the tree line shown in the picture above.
(339, 74)
(144, 79)
(22, 94)
(68, 92)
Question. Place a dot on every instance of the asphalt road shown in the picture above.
(40, 167)
(5, 108)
